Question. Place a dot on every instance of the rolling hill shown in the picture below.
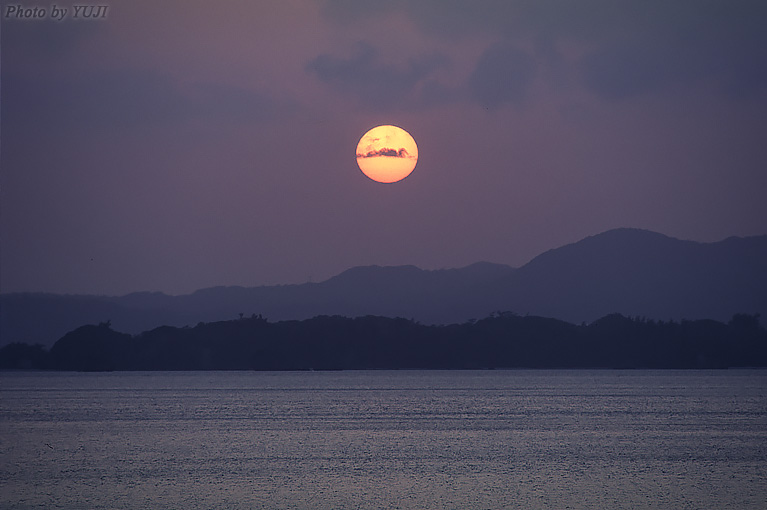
(628, 271)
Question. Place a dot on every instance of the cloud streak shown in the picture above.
(631, 48)
(377, 85)
(129, 99)
(503, 75)
(384, 151)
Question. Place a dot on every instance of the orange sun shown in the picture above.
(387, 154)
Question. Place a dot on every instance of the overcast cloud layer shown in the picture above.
(178, 145)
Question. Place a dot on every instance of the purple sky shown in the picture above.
(177, 145)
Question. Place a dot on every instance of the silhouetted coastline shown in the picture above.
(502, 340)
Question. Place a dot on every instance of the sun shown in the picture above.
(387, 154)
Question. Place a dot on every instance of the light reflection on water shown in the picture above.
(406, 439)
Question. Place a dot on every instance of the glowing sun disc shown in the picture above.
(387, 154)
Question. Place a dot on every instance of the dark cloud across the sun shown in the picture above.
(385, 151)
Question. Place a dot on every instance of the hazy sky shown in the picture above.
(175, 145)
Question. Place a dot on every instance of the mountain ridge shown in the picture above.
(629, 271)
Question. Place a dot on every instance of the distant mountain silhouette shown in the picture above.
(637, 272)
(628, 271)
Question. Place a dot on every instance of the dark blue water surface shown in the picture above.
(402, 439)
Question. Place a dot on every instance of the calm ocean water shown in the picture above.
(409, 439)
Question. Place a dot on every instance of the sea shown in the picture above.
(521, 439)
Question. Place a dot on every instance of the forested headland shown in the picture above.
(502, 340)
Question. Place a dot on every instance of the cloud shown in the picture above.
(630, 69)
(124, 99)
(377, 85)
(213, 100)
(439, 17)
(633, 48)
(93, 100)
(392, 153)
(503, 75)
(41, 42)
(625, 71)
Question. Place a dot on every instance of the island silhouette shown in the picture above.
(502, 340)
